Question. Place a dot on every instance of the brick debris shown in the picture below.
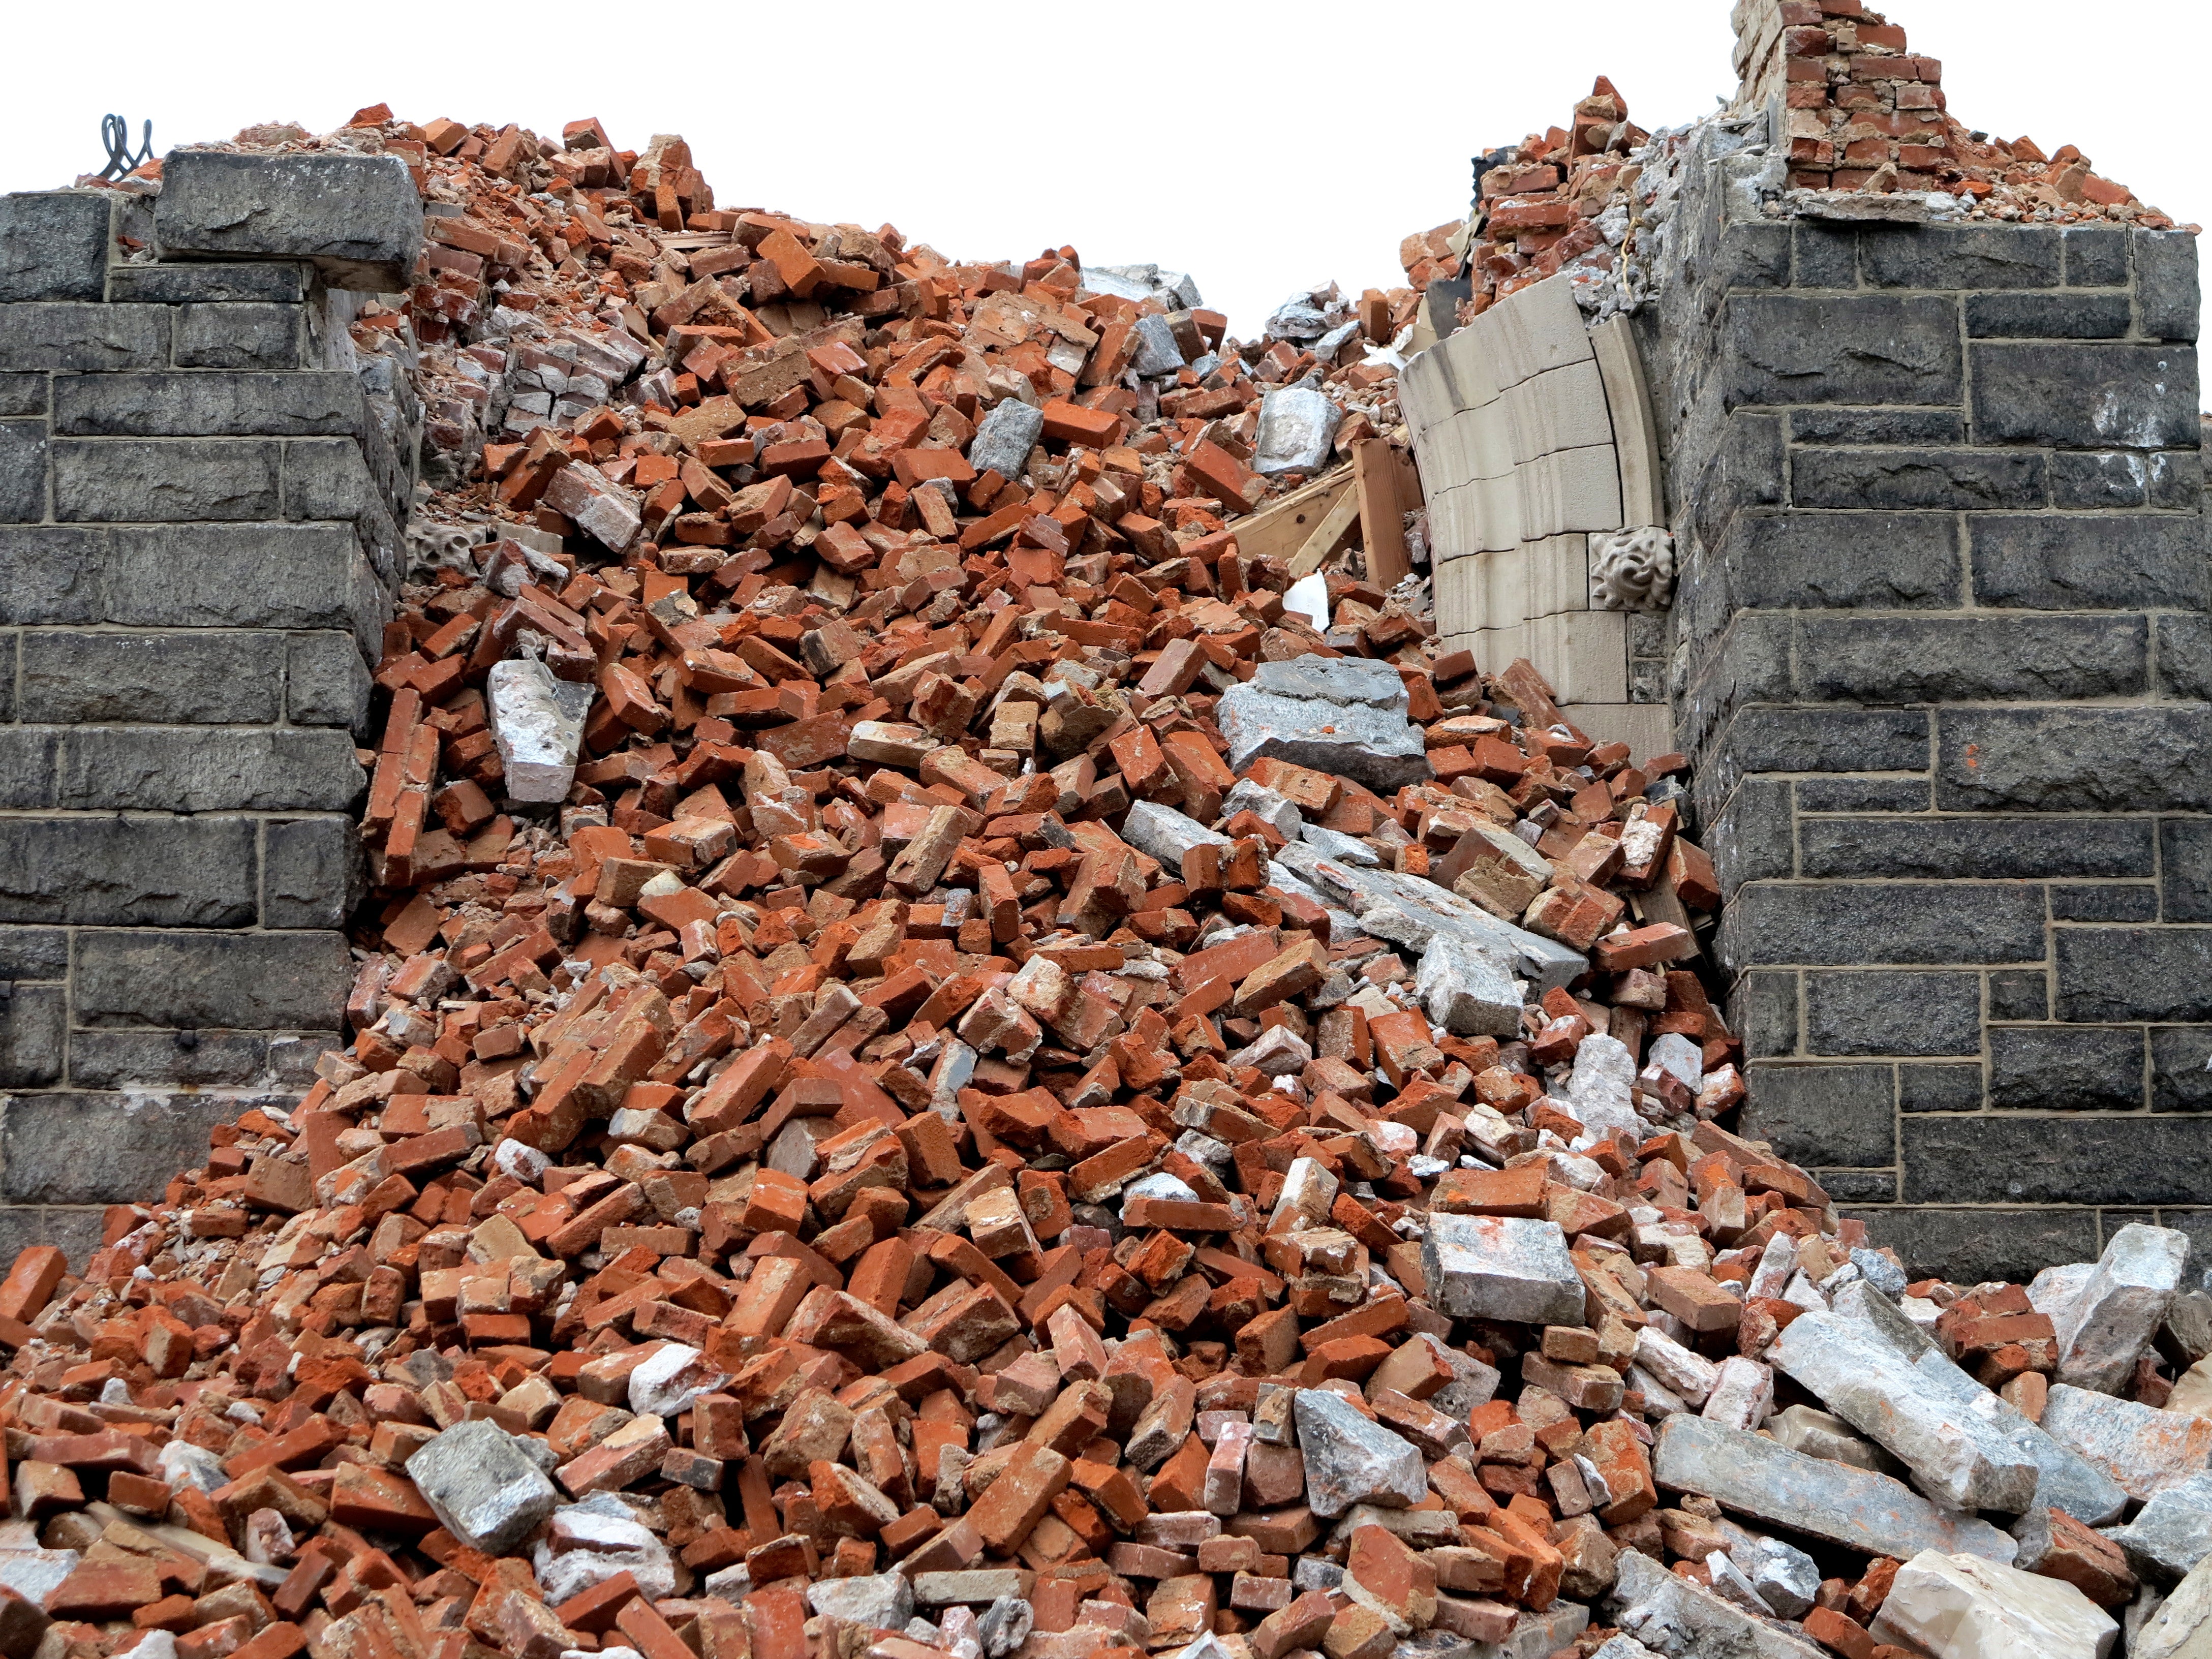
(950, 1058)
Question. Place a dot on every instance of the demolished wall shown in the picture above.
(1938, 641)
(198, 557)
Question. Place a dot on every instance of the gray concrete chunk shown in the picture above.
(2174, 1531)
(1674, 1617)
(1162, 832)
(358, 218)
(1345, 715)
(537, 722)
(1467, 991)
(1953, 1448)
(2120, 1307)
(2065, 1479)
(1004, 438)
(1352, 1459)
(1297, 426)
(1483, 1267)
(1853, 1507)
(882, 1601)
(488, 1494)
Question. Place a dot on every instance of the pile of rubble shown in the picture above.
(1847, 113)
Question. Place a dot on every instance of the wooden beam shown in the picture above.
(1280, 529)
(1331, 533)
(1381, 521)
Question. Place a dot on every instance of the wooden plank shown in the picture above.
(1382, 522)
(1280, 529)
(1330, 534)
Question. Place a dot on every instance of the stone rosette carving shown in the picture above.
(1631, 570)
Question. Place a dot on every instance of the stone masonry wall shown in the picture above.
(1942, 662)
(196, 537)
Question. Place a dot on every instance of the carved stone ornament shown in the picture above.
(1631, 570)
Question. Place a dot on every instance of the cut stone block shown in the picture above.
(2174, 1532)
(2182, 1627)
(1854, 1507)
(1351, 1459)
(2066, 1480)
(358, 218)
(1954, 1450)
(1961, 1607)
(1674, 1617)
(1467, 991)
(1345, 715)
(1487, 1266)
(2120, 1307)
(482, 1486)
(1297, 425)
(2144, 1450)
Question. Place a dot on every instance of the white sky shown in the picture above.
(1260, 146)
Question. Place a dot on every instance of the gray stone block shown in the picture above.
(1345, 715)
(1882, 428)
(2184, 656)
(1827, 256)
(2086, 397)
(2184, 849)
(1005, 437)
(22, 472)
(185, 769)
(201, 678)
(325, 682)
(1940, 1088)
(2120, 562)
(1746, 470)
(25, 394)
(154, 480)
(2104, 901)
(1862, 795)
(2019, 994)
(141, 1139)
(160, 872)
(274, 281)
(2022, 848)
(28, 758)
(1891, 1012)
(1840, 924)
(2100, 481)
(311, 873)
(1752, 837)
(1860, 349)
(2060, 316)
(1972, 1247)
(2176, 481)
(2096, 256)
(1828, 740)
(2107, 974)
(2168, 295)
(2007, 1159)
(33, 953)
(2180, 1080)
(85, 339)
(1900, 660)
(1859, 1186)
(54, 244)
(241, 337)
(76, 1232)
(327, 479)
(288, 576)
(1819, 561)
(1764, 1013)
(357, 218)
(166, 1060)
(2146, 758)
(1955, 256)
(51, 573)
(7, 677)
(1840, 1115)
(1926, 480)
(208, 406)
(2066, 1068)
(233, 981)
(1752, 256)
(33, 1029)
